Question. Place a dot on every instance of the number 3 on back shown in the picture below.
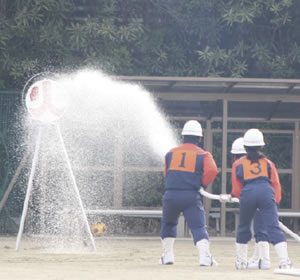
(256, 169)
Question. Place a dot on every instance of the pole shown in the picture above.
(224, 164)
(29, 189)
(76, 189)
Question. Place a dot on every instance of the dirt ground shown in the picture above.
(129, 259)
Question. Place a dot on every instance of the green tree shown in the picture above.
(228, 38)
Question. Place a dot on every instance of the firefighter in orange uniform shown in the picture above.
(187, 168)
(255, 182)
(261, 255)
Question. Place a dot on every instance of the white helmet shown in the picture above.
(253, 137)
(237, 146)
(192, 128)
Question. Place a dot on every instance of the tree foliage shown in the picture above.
(228, 38)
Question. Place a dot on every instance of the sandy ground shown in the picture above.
(129, 259)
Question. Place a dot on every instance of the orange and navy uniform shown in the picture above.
(244, 172)
(188, 167)
(257, 186)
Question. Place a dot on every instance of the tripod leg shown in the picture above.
(29, 189)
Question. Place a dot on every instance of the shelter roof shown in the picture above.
(267, 99)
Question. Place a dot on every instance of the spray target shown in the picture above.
(46, 101)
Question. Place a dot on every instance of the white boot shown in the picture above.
(205, 258)
(241, 255)
(264, 255)
(168, 253)
(261, 257)
(281, 250)
(253, 262)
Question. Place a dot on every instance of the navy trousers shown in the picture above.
(260, 229)
(190, 204)
(259, 196)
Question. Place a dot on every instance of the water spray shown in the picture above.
(46, 102)
(104, 127)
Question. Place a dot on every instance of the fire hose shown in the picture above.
(228, 198)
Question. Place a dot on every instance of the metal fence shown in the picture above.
(10, 131)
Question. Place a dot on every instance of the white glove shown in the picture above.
(225, 197)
